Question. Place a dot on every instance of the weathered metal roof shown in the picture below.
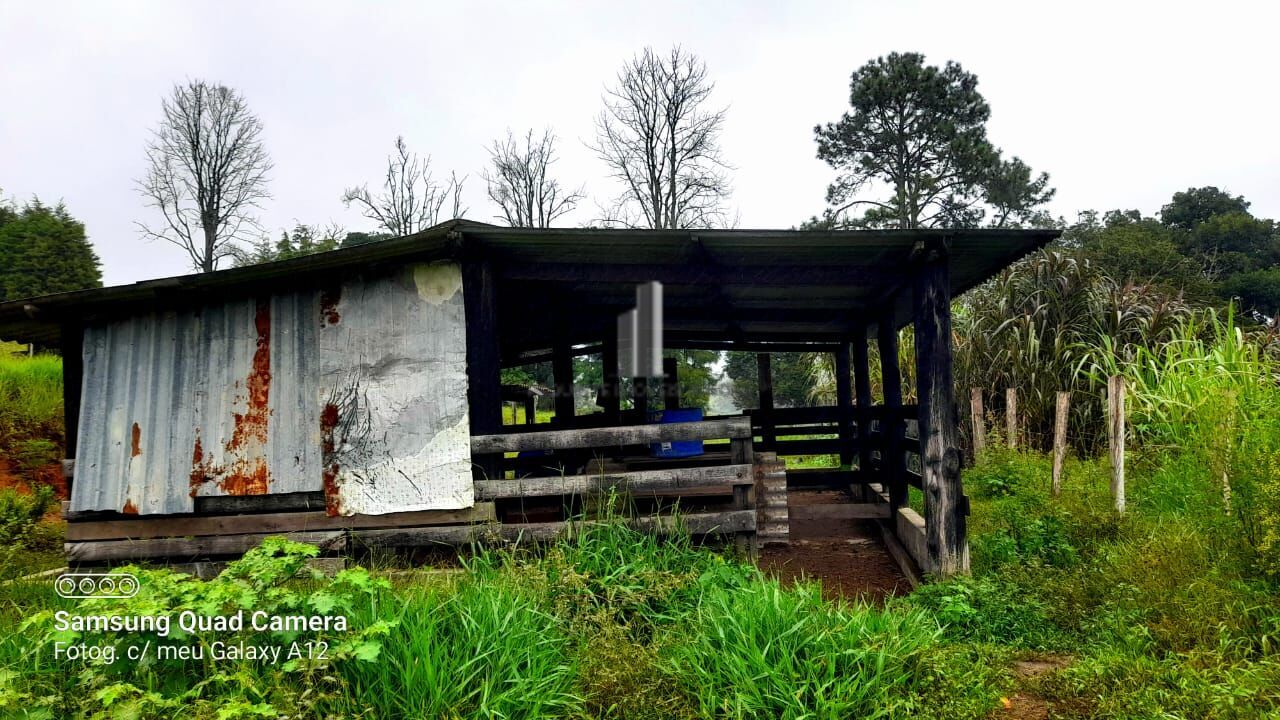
(358, 389)
(719, 284)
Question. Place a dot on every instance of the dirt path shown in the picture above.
(847, 556)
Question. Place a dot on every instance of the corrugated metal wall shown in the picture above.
(359, 390)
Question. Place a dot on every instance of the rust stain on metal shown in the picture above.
(129, 508)
(247, 472)
(329, 298)
(328, 422)
(198, 475)
(136, 445)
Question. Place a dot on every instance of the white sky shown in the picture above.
(1123, 103)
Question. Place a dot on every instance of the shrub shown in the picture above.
(19, 513)
(988, 610)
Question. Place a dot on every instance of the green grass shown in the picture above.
(30, 398)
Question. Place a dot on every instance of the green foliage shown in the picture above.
(792, 378)
(19, 513)
(272, 578)
(1195, 205)
(44, 250)
(764, 651)
(1039, 322)
(987, 610)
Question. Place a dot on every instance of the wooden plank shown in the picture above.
(900, 555)
(862, 397)
(112, 550)
(629, 482)
(562, 371)
(484, 373)
(670, 383)
(611, 392)
(742, 453)
(816, 446)
(72, 382)
(1061, 412)
(730, 522)
(1115, 434)
(275, 502)
(844, 403)
(607, 437)
(939, 438)
(158, 527)
(841, 511)
(893, 440)
(764, 385)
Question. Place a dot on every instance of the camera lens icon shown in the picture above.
(82, 586)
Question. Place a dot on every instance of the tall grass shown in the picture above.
(485, 649)
(767, 652)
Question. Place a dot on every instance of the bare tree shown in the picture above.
(660, 141)
(411, 200)
(207, 171)
(520, 183)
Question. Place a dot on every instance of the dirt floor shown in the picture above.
(847, 556)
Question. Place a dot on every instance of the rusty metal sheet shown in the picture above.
(358, 389)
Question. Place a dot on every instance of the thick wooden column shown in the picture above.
(862, 398)
(844, 404)
(893, 428)
(484, 375)
(611, 399)
(944, 500)
(562, 372)
(764, 384)
(670, 383)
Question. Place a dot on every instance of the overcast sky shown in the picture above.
(1122, 103)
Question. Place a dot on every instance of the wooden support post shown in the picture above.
(893, 430)
(978, 421)
(945, 505)
(530, 410)
(862, 399)
(72, 383)
(1011, 416)
(742, 453)
(670, 383)
(611, 392)
(484, 374)
(640, 398)
(844, 403)
(1115, 426)
(764, 382)
(1061, 412)
(562, 371)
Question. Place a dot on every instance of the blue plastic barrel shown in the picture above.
(682, 448)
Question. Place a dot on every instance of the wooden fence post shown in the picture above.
(978, 422)
(1011, 416)
(1115, 425)
(1063, 406)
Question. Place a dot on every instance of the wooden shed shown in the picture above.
(354, 396)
